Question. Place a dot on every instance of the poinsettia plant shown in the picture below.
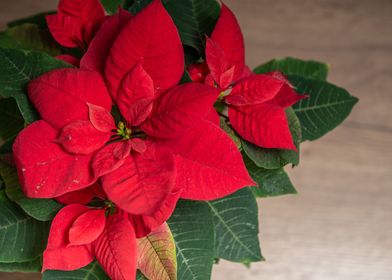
(135, 139)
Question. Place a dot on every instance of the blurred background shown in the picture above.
(339, 226)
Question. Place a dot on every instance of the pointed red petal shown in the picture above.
(45, 169)
(206, 177)
(264, 125)
(84, 10)
(60, 96)
(135, 95)
(82, 197)
(227, 34)
(150, 35)
(219, 64)
(140, 185)
(81, 137)
(116, 249)
(87, 227)
(179, 109)
(95, 57)
(69, 59)
(58, 255)
(65, 30)
(100, 118)
(110, 158)
(254, 90)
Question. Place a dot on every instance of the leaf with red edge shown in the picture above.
(135, 95)
(58, 254)
(81, 137)
(100, 118)
(140, 186)
(87, 227)
(110, 157)
(116, 248)
(228, 35)
(179, 109)
(45, 170)
(254, 90)
(206, 177)
(221, 69)
(264, 125)
(61, 96)
(152, 36)
(95, 57)
(157, 255)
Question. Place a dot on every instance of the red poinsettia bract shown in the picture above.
(163, 143)
(256, 103)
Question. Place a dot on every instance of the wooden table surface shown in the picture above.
(339, 226)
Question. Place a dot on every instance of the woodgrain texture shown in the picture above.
(339, 225)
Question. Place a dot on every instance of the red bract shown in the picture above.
(79, 234)
(256, 103)
(76, 22)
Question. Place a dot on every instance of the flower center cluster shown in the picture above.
(123, 131)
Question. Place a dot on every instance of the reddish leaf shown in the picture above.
(60, 96)
(221, 69)
(152, 36)
(179, 109)
(135, 95)
(75, 22)
(254, 90)
(116, 249)
(157, 255)
(82, 197)
(58, 255)
(198, 72)
(95, 57)
(100, 118)
(141, 185)
(206, 177)
(87, 227)
(69, 59)
(110, 158)
(264, 125)
(81, 137)
(138, 145)
(144, 224)
(45, 170)
(286, 97)
(65, 30)
(227, 34)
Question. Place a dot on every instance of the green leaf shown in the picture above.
(40, 209)
(237, 227)
(326, 107)
(193, 232)
(194, 19)
(17, 68)
(38, 19)
(140, 276)
(28, 36)
(272, 182)
(230, 131)
(138, 5)
(276, 158)
(293, 66)
(111, 6)
(30, 266)
(11, 121)
(22, 238)
(93, 271)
